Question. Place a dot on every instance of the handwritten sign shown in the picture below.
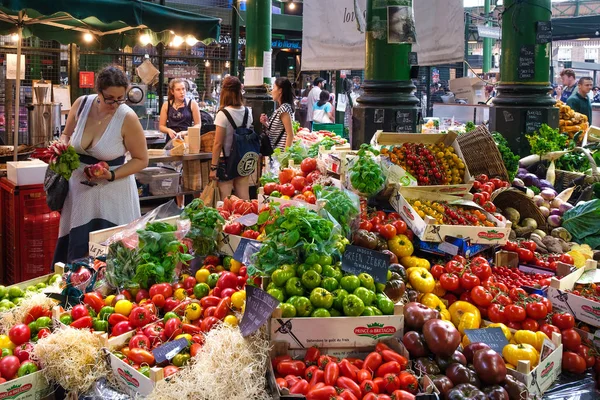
(169, 350)
(405, 122)
(358, 259)
(96, 250)
(543, 32)
(413, 59)
(526, 66)
(493, 337)
(259, 307)
(248, 219)
(240, 251)
(533, 120)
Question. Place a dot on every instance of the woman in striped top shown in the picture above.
(279, 125)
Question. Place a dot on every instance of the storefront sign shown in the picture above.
(492, 32)
(287, 44)
(180, 71)
(86, 79)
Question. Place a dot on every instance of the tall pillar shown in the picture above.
(388, 102)
(258, 69)
(235, 38)
(524, 101)
(487, 42)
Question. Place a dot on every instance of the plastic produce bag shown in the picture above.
(176, 147)
(205, 223)
(573, 387)
(296, 153)
(342, 205)
(365, 175)
(101, 390)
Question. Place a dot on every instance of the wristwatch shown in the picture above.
(112, 176)
(214, 167)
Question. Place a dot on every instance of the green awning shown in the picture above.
(66, 21)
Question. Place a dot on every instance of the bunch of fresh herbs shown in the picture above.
(511, 161)
(206, 222)
(366, 175)
(546, 140)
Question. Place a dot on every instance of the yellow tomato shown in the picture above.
(183, 277)
(180, 294)
(238, 299)
(109, 300)
(5, 343)
(193, 311)
(202, 275)
(123, 307)
(219, 268)
(422, 281)
(286, 198)
(184, 336)
(231, 320)
(235, 267)
(438, 290)
(504, 328)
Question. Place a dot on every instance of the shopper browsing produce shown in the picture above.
(279, 125)
(579, 100)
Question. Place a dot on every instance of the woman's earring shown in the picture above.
(98, 100)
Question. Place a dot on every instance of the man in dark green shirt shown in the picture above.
(579, 100)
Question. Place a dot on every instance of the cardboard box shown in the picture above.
(23, 173)
(583, 309)
(452, 246)
(543, 376)
(28, 387)
(342, 332)
(398, 176)
(228, 244)
(427, 229)
(336, 161)
(264, 200)
(59, 268)
(130, 380)
(470, 89)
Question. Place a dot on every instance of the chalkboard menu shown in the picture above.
(413, 58)
(405, 121)
(533, 120)
(169, 350)
(259, 307)
(526, 67)
(543, 32)
(493, 337)
(358, 259)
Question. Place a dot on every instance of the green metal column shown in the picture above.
(523, 102)
(487, 42)
(339, 92)
(258, 33)
(235, 38)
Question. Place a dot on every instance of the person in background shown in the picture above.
(101, 127)
(579, 100)
(324, 105)
(232, 101)
(178, 114)
(312, 99)
(596, 94)
(569, 82)
(279, 126)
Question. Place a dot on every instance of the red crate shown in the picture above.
(29, 232)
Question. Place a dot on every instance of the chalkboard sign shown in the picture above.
(358, 259)
(533, 120)
(405, 121)
(259, 307)
(526, 67)
(169, 350)
(238, 254)
(543, 32)
(413, 59)
(493, 337)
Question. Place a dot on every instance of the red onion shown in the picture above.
(545, 211)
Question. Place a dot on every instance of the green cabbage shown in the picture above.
(583, 220)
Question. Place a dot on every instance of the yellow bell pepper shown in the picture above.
(412, 269)
(504, 328)
(510, 366)
(432, 301)
(438, 290)
(413, 261)
(445, 314)
(513, 353)
(536, 339)
(401, 246)
(465, 341)
(422, 281)
(5, 343)
(465, 315)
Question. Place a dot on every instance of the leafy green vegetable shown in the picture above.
(582, 220)
(206, 223)
(66, 163)
(327, 143)
(340, 205)
(296, 126)
(295, 152)
(470, 126)
(535, 189)
(366, 175)
(268, 177)
(511, 161)
(546, 140)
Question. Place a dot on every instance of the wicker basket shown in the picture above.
(510, 197)
(565, 179)
(206, 142)
(481, 154)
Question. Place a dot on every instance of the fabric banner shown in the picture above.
(333, 33)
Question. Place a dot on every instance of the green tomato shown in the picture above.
(325, 259)
(328, 271)
(275, 193)
(292, 300)
(367, 281)
(338, 299)
(316, 267)
(311, 279)
(320, 313)
(380, 287)
(43, 322)
(312, 259)
(302, 268)
(277, 293)
(105, 313)
(15, 291)
(368, 312)
(40, 285)
(33, 328)
(145, 370)
(6, 352)
(26, 368)
(321, 298)
(66, 319)
(212, 280)
(330, 284)
(385, 305)
(17, 301)
(350, 283)
(201, 290)
(353, 306)
(3, 291)
(280, 276)
(340, 247)
(170, 315)
(272, 285)
(335, 313)
(303, 307)
(100, 325)
(287, 310)
(338, 274)
(365, 295)
(30, 288)
(377, 311)
(180, 359)
(389, 275)
(54, 278)
(293, 287)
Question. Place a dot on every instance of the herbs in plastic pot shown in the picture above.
(366, 175)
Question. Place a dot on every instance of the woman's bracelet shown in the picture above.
(112, 176)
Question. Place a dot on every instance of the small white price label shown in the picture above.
(96, 250)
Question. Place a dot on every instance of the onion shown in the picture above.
(545, 204)
(544, 184)
(522, 172)
(548, 194)
(564, 207)
(545, 211)
(538, 200)
(555, 211)
(529, 193)
(556, 202)
(554, 221)
(529, 222)
(518, 182)
(531, 180)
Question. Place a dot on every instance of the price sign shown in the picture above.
(533, 120)
(169, 350)
(358, 259)
(405, 121)
(259, 307)
(248, 219)
(526, 67)
(493, 337)
(238, 254)
(413, 59)
(96, 250)
(543, 32)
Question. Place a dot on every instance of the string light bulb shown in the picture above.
(227, 64)
(177, 41)
(144, 39)
(14, 37)
(292, 5)
(207, 63)
(191, 41)
(88, 37)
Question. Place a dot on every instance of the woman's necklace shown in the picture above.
(178, 106)
(103, 118)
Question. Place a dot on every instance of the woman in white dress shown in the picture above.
(101, 128)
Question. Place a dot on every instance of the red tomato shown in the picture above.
(517, 294)
(388, 231)
(300, 387)
(332, 373)
(9, 365)
(208, 323)
(94, 300)
(437, 271)
(140, 341)
(449, 282)
(515, 313)
(468, 281)
(140, 316)
(536, 311)
(158, 300)
(308, 165)
(169, 370)
(366, 225)
(563, 321)
(321, 393)
(392, 382)
(298, 182)
(363, 375)
(549, 329)
(530, 325)
(400, 226)
(173, 327)
(291, 367)
(141, 356)
(310, 198)
(510, 246)
(529, 245)
(454, 267)
(403, 394)
(391, 367)
(408, 382)
(587, 354)
(566, 258)
(514, 325)
(161, 288)
(483, 271)
(270, 188)
(42, 333)
(347, 383)
(481, 296)
(525, 255)
(571, 339)
(18, 334)
(287, 189)
(286, 175)
(368, 386)
(372, 362)
(571, 362)
(121, 328)
(351, 371)
(79, 311)
(313, 177)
